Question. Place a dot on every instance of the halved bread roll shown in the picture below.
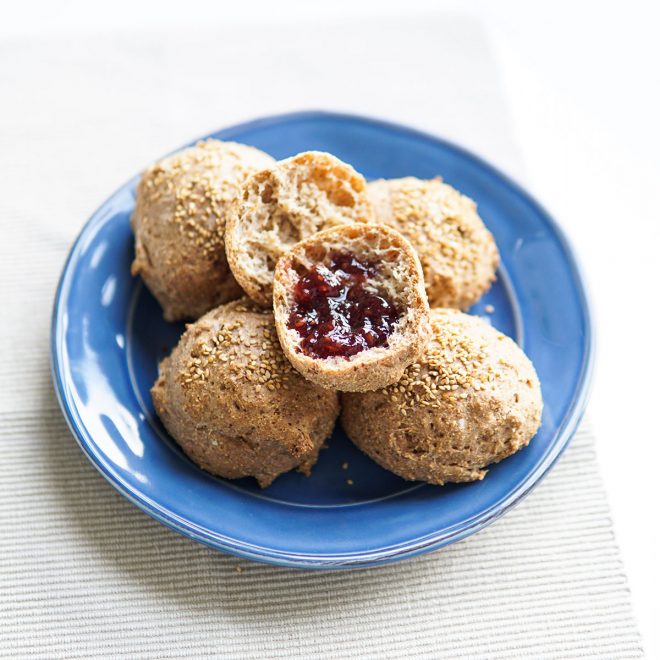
(350, 307)
(284, 204)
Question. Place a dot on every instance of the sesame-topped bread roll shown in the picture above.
(234, 403)
(179, 224)
(472, 399)
(284, 204)
(350, 307)
(458, 254)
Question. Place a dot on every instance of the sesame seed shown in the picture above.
(453, 366)
(226, 351)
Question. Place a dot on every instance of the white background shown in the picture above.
(583, 87)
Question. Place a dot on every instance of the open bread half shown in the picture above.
(350, 307)
(284, 204)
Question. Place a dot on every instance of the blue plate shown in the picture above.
(108, 336)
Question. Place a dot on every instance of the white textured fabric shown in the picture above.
(85, 574)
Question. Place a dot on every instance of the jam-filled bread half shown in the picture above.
(284, 204)
(350, 307)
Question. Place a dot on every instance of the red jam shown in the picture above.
(335, 314)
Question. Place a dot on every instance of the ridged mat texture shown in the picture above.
(83, 573)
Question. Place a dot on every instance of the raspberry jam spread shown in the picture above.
(335, 314)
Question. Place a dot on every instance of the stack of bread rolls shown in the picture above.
(315, 296)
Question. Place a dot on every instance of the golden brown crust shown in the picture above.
(458, 254)
(233, 402)
(179, 221)
(284, 204)
(471, 400)
(399, 274)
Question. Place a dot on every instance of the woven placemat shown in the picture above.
(85, 574)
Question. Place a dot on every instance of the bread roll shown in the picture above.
(472, 399)
(179, 224)
(458, 254)
(233, 402)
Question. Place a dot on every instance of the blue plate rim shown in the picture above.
(411, 547)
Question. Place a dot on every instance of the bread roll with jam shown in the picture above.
(350, 307)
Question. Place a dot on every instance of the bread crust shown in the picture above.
(284, 204)
(179, 222)
(234, 404)
(471, 400)
(458, 254)
(398, 270)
